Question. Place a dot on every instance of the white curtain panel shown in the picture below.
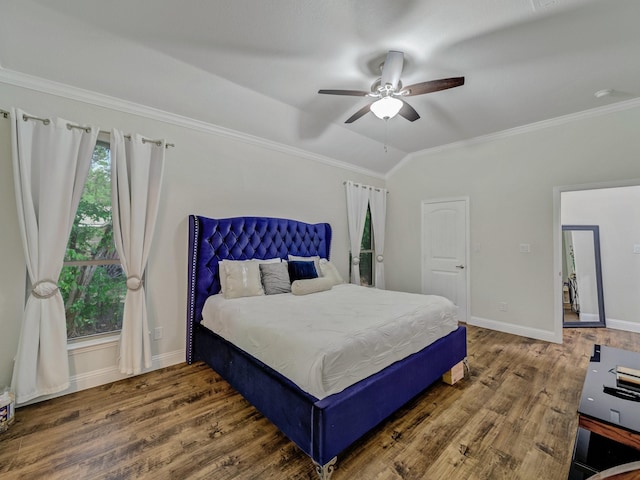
(136, 179)
(378, 206)
(50, 167)
(357, 202)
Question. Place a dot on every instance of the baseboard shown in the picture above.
(535, 333)
(95, 378)
(623, 325)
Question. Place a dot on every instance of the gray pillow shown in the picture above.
(275, 278)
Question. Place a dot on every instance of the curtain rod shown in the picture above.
(46, 121)
(367, 186)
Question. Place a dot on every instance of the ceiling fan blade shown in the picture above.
(355, 93)
(392, 69)
(363, 111)
(408, 112)
(432, 86)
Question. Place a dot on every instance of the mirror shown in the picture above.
(582, 295)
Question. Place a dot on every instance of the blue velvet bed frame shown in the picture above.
(321, 428)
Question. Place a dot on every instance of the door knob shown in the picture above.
(460, 266)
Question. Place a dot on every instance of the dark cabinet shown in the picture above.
(594, 453)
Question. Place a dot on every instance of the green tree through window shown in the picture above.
(367, 253)
(92, 282)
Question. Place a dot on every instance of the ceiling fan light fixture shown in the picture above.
(388, 88)
(386, 107)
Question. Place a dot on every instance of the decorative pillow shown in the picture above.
(302, 270)
(312, 285)
(314, 258)
(275, 278)
(330, 271)
(242, 279)
(223, 276)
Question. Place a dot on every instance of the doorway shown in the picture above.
(613, 208)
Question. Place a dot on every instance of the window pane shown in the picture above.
(366, 253)
(92, 233)
(93, 298)
(93, 292)
(366, 235)
(366, 269)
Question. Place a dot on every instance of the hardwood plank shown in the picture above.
(513, 417)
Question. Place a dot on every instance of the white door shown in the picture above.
(445, 249)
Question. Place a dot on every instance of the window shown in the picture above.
(92, 282)
(367, 254)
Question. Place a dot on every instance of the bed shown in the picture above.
(320, 427)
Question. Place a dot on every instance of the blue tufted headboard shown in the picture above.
(242, 238)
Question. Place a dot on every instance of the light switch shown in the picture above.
(525, 248)
(636, 248)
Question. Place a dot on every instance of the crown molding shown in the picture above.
(42, 85)
(512, 132)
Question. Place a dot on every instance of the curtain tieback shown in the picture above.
(134, 283)
(379, 258)
(355, 261)
(43, 289)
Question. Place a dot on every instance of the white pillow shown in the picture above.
(330, 271)
(315, 259)
(311, 285)
(223, 263)
(242, 279)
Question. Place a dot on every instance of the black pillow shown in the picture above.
(299, 270)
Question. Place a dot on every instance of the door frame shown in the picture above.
(467, 242)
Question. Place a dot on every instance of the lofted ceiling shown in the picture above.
(255, 66)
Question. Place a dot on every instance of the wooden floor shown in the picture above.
(514, 417)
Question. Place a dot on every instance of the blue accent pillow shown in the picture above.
(299, 270)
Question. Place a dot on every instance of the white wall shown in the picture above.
(617, 212)
(206, 173)
(509, 179)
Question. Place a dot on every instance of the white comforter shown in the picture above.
(327, 341)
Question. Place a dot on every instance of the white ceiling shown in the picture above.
(255, 66)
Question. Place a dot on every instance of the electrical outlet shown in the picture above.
(636, 248)
(157, 333)
(525, 248)
(503, 306)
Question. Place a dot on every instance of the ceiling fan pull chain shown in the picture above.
(386, 134)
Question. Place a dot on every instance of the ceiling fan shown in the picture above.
(388, 91)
